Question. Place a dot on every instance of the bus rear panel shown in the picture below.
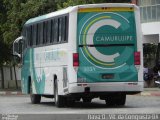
(108, 50)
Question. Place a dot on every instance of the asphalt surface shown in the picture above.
(18, 107)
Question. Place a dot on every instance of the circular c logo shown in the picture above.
(86, 37)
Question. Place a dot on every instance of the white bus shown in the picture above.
(82, 52)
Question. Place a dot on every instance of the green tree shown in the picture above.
(14, 14)
(3, 47)
(19, 11)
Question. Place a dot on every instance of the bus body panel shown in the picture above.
(107, 41)
(72, 73)
(84, 36)
(127, 76)
(139, 43)
(41, 64)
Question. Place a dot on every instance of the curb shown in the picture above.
(155, 94)
(11, 93)
(149, 93)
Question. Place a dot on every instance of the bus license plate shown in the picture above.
(107, 76)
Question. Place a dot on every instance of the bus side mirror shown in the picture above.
(17, 47)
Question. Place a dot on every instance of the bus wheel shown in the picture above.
(110, 101)
(121, 100)
(59, 100)
(78, 99)
(87, 100)
(116, 100)
(35, 99)
(70, 102)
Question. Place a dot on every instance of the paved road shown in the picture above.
(18, 107)
(20, 104)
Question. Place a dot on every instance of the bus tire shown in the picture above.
(110, 101)
(35, 99)
(70, 102)
(59, 100)
(121, 100)
(87, 100)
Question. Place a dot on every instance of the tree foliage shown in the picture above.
(19, 11)
(4, 49)
(13, 15)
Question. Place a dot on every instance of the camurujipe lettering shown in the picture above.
(123, 38)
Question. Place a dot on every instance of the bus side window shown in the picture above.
(37, 40)
(44, 33)
(30, 42)
(41, 33)
(24, 33)
(60, 29)
(28, 36)
(46, 30)
(63, 28)
(25, 40)
(38, 34)
(52, 30)
(49, 32)
(34, 35)
(56, 31)
(66, 28)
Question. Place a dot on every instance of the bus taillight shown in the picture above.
(75, 59)
(137, 58)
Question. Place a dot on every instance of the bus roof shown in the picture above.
(49, 15)
(72, 8)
